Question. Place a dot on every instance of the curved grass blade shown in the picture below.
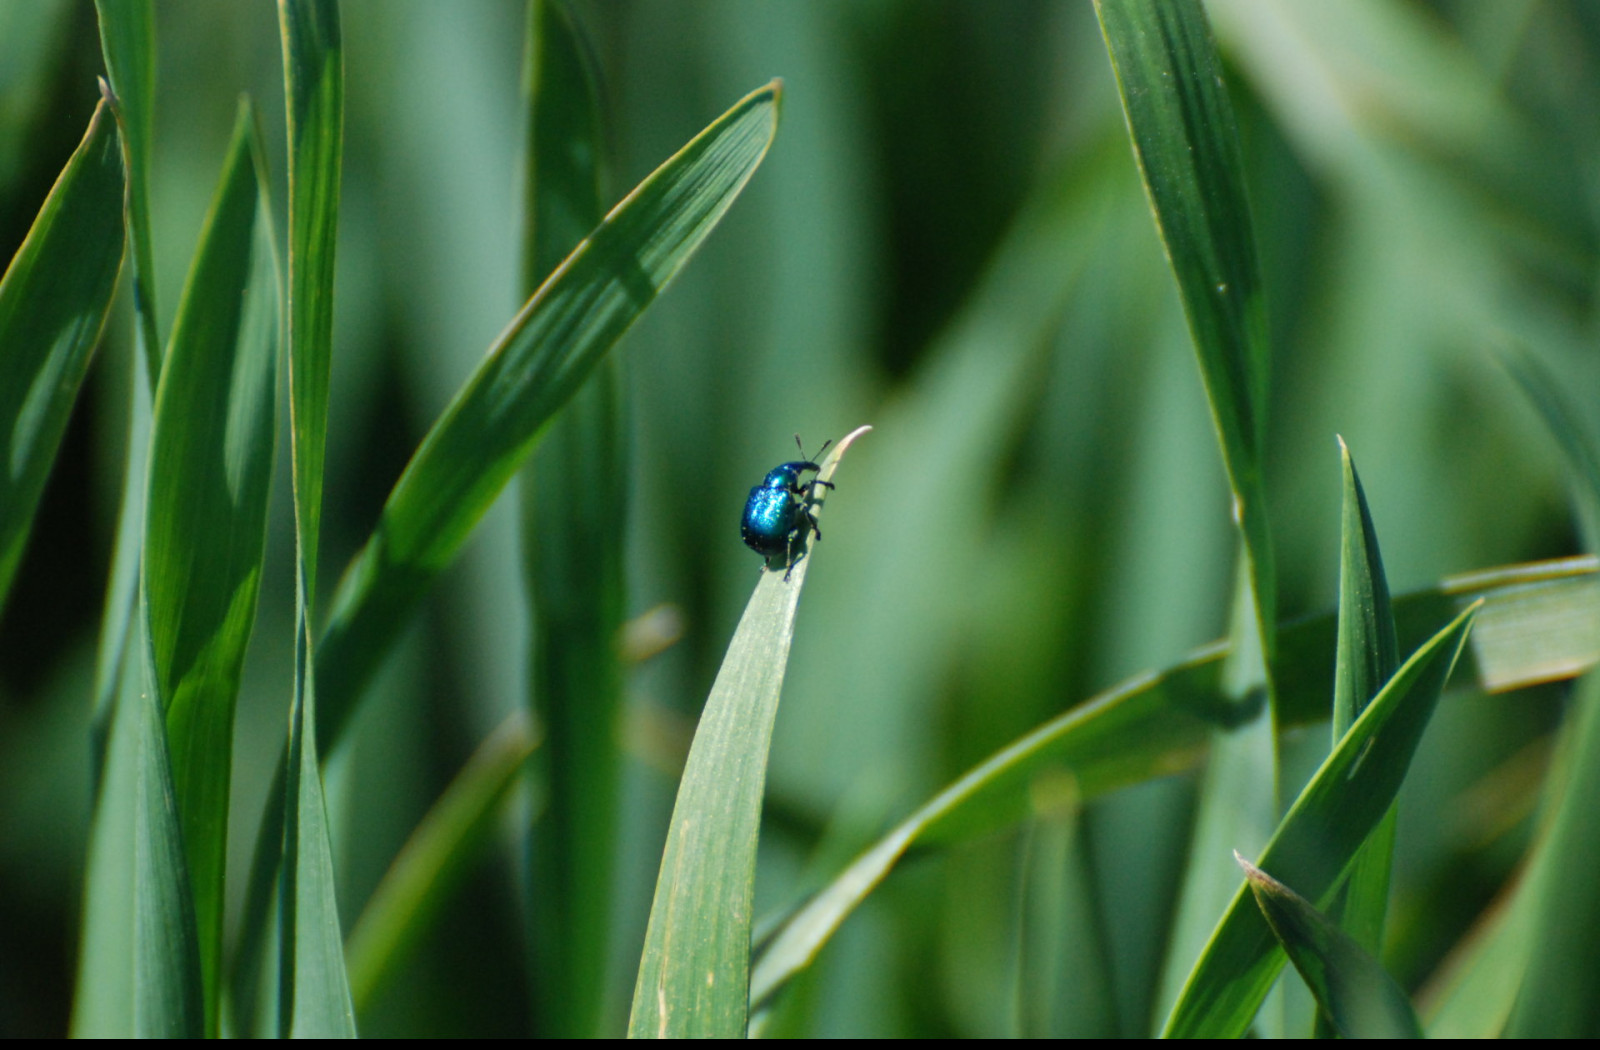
(139, 971)
(532, 370)
(435, 859)
(1353, 988)
(211, 452)
(313, 986)
(1187, 145)
(574, 513)
(53, 303)
(1317, 838)
(1172, 715)
(694, 976)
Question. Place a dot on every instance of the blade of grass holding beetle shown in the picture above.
(1317, 838)
(1366, 656)
(694, 975)
(127, 43)
(494, 422)
(1173, 714)
(535, 366)
(313, 986)
(211, 453)
(1352, 988)
(436, 858)
(53, 303)
(573, 517)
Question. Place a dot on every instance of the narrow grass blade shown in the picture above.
(1315, 841)
(1366, 656)
(1171, 717)
(53, 303)
(532, 370)
(139, 971)
(1560, 993)
(212, 444)
(314, 989)
(694, 976)
(1353, 988)
(313, 75)
(574, 511)
(1187, 144)
(435, 859)
(313, 983)
(127, 42)
(128, 45)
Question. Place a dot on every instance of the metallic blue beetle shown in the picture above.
(778, 515)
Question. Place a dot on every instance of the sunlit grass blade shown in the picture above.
(127, 42)
(574, 513)
(314, 989)
(53, 302)
(1352, 988)
(1314, 843)
(435, 859)
(694, 976)
(1187, 144)
(1366, 656)
(1163, 722)
(139, 968)
(212, 444)
(535, 366)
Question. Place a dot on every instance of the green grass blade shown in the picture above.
(1187, 144)
(139, 971)
(128, 45)
(435, 859)
(313, 983)
(532, 370)
(212, 444)
(314, 989)
(1163, 722)
(694, 976)
(127, 42)
(313, 73)
(1366, 656)
(53, 303)
(1317, 838)
(574, 513)
(1560, 993)
(1353, 988)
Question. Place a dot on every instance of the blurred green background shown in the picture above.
(949, 241)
